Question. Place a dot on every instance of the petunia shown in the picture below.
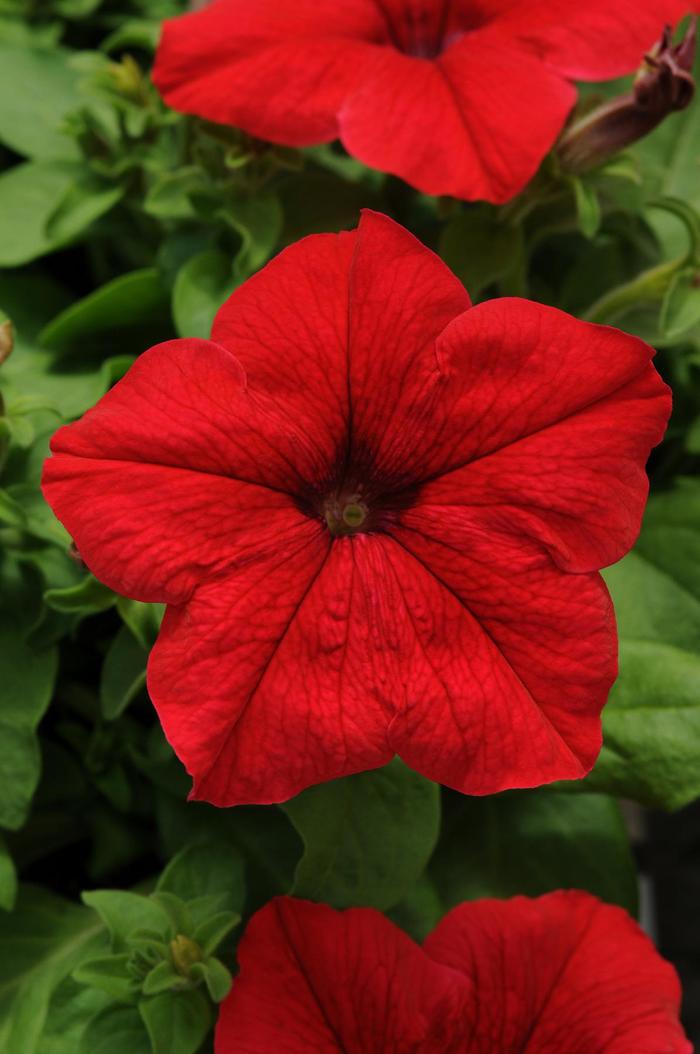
(562, 974)
(376, 514)
(459, 97)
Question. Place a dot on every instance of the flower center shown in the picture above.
(345, 514)
(426, 30)
(354, 514)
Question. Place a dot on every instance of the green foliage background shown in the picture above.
(121, 225)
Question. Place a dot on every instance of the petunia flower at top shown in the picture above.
(563, 974)
(459, 97)
(376, 515)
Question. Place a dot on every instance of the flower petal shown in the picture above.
(288, 327)
(355, 317)
(278, 69)
(314, 979)
(594, 40)
(186, 404)
(402, 296)
(300, 654)
(512, 659)
(154, 532)
(563, 972)
(178, 472)
(465, 124)
(549, 430)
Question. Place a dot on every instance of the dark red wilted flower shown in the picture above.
(563, 974)
(376, 515)
(460, 97)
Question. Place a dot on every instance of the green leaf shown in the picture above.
(132, 301)
(123, 674)
(11, 512)
(420, 910)
(170, 197)
(38, 89)
(258, 221)
(680, 310)
(44, 205)
(125, 913)
(367, 837)
(138, 33)
(70, 1012)
(651, 724)
(86, 598)
(142, 619)
(692, 437)
(110, 974)
(176, 910)
(68, 390)
(77, 8)
(176, 1022)
(28, 196)
(532, 842)
(479, 248)
(117, 1030)
(587, 207)
(8, 878)
(41, 942)
(26, 685)
(210, 933)
(204, 868)
(39, 520)
(85, 200)
(161, 979)
(215, 976)
(201, 287)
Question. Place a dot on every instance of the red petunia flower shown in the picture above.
(563, 974)
(460, 97)
(376, 514)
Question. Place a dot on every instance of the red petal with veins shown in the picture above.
(314, 979)
(594, 40)
(298, 651)
(456, 125)
(509, 662)
(564, 972)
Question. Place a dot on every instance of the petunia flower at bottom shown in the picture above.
(376, 514)
(563, 974)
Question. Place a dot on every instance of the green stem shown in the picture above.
(648, 287)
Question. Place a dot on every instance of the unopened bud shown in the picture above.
(128, 78)
(185, 953)
(664, 84)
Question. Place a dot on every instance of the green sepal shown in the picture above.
(210, 933)
(175, 909)
(215, 976)
(162, 978)
(109, 973)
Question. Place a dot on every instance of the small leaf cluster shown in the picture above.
(161, 968)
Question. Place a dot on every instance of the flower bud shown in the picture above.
(185, 952)
(663, 85)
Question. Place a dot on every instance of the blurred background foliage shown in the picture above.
(121, 225)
